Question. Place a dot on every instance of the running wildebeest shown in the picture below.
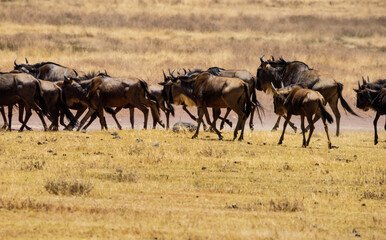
(106, 92)
(372, 99)
(303, 102)
(207, 90)
(21, 88)
(299, 73)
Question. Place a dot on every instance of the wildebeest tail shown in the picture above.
(149, 95)
(248, 104)
(343, 102)
(39, 98)
(325, 113)
(168, 106)
(66, 110)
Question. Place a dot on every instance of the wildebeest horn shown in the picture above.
(106, 73)
(359, 85)
(178, 71)
(76, 73)
(273, 59)
(368, 79)
(261, 59)
(184, 71)
(165, 78)
(14, 62)
(171, 73)
(282, 85)
(26, 61)
(364, 81)
(273, 88)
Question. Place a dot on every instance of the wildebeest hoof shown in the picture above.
(194, 136)
(220, 138)
(375, 142)
(280, 142)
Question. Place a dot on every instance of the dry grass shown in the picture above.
(191, 188)
(121, 188)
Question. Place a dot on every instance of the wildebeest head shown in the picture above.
(25, 68)
(364, 98)
(269, 72)
(279, 97)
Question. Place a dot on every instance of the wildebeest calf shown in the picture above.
(303, 102)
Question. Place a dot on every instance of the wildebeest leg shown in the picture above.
(244, 119)
(303, 131)
(132, 117)
(145, 115)
(192, 116)
(312, 127)
(93, 117)
(284, 127)
(4, 118)
(334, 106)
(213, 124)
(102, 118)
(114, 115)
(55, 120)
(90, 112)
(216, 114)
(276, 126)
(167, 114)
(40, 114)
(28, 114)
(10, 117)
(224, 119)
(199, 121)
(154, 116)
(326, 129)
(375, 128)
(155, 113)
(21, 115)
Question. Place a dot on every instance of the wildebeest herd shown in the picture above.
(51, 90)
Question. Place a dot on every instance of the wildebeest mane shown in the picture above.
(283, 63)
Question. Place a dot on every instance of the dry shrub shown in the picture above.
(32, 165)
(17, 204)
(68, 187)
(285, 206)
(373, 195)
(119, 176)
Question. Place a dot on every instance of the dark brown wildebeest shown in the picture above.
(49, 71)
(303, 102)
(158, 93)
(21, 88)
(299, 73)
(175, 96)
(248, 78)
(372, 99)
(106, 92)
(207, 90)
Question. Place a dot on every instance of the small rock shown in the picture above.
(236, 162)
(19, 136)
(118, 170)
(183, 127)
(156, 144)
(83, 130)
(139, 140)
(334, 146)
(363, 204)
(264, 143)
(316, 164)
(116, 137)
(354, 231)
(87, 137)
(114, 133)
(357, 235)
(39, 143)
(234, 205)
(249, 143)
(45, 142)
(203, 168)
(50, 150)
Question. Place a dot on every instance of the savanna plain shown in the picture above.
(94, 185)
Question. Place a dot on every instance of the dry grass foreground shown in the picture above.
(94, 185)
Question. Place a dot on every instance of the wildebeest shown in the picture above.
(50, 71)
(303, 102)
(299, 73)
(207, 90)
(375, 85)
(21, 88)
(106, 92)
(372, 99)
